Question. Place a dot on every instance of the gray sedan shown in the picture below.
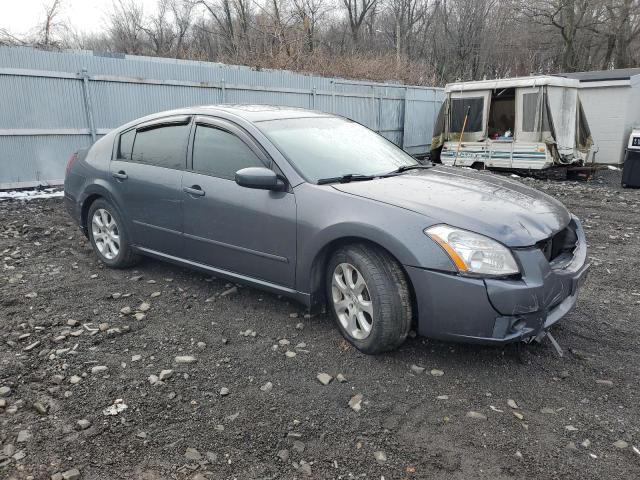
(321, 209)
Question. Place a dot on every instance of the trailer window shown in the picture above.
(458, 111)
(529, 107)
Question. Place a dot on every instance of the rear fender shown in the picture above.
(100, 188)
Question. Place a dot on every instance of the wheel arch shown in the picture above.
(92, 192)
(317, 272)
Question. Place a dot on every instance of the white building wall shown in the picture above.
(606, 111)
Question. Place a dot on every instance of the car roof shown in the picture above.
(259, 113)
(250, 113)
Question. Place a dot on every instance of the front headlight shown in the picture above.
(473, 253)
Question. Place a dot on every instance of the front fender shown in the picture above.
(339, 217)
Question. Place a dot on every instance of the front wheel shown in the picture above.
(108, 236)
(369, 298)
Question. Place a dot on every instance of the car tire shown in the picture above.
(108, 236)
(378, 320)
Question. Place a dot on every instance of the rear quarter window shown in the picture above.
(125, 145)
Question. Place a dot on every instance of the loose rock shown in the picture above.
(41, 408)
(83, 424)
(608, 383)
(73, 474)
(143, 307)
(193, 454)
(380, 456)
(324, 378)
(283, 455)
(476, 415)
(356, 402)
(185, 359)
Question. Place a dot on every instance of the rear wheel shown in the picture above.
(108, 236)
(369, 298)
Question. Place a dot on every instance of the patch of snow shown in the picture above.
(611, 167)
(117, 407)
(31, 194)
(513, 175)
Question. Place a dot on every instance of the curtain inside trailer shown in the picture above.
(563, 103)
(585, 141)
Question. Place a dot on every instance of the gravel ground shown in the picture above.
(250, 405)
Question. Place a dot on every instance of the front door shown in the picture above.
(147, 171)
(245, 231)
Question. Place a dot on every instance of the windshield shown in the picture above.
(332, 147)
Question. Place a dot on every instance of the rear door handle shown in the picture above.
(194, 190)
(121, 175)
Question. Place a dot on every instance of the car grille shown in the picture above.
(558, 249)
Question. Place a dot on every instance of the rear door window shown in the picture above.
(163, 146)
(221, 154)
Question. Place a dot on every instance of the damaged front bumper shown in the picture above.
(499, 311)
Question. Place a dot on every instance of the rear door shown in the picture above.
(147, 170)
(242, 230)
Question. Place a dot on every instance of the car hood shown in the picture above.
(505, 210)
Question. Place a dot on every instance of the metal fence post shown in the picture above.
(379, 117)
(224, 91)
(404, 117)
(372, 112)
(313, 98)
(333, 96)
(88, 107)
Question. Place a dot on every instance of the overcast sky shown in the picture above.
(19, 17)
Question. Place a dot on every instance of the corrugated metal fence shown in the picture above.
(52, 103)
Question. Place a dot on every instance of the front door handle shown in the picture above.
(194, 190)
(121, 175)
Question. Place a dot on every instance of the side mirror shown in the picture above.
(260, 178)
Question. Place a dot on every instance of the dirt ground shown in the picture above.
(69, 350)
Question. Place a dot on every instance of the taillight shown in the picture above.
(72, 159)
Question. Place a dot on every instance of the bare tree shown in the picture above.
(308, 13)
(572, 19)
(51, 23)
(415, 41)
(357, 11)
(125, 26)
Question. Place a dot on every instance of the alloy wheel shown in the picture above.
(106, 233)
(352, 301)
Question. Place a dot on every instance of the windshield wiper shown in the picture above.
(349, 177)
(406, 168)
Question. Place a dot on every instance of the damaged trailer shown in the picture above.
(521, 124)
